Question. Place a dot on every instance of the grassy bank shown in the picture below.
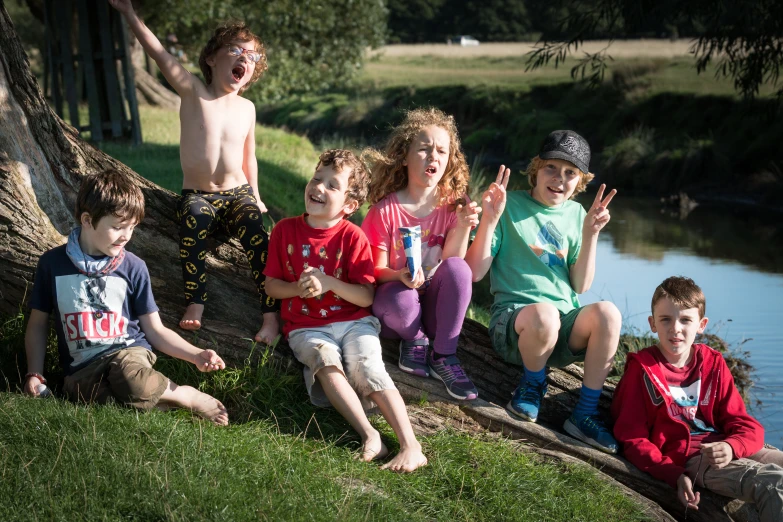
(655, 126)
(281, 458)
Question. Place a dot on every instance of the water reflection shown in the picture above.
(647, 230)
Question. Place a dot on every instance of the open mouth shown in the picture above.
(238, 72)
(317, 200)
(430, 171)
(555, 190)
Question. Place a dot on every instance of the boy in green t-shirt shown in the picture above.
(541, 254)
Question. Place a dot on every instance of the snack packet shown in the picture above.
(411, 242)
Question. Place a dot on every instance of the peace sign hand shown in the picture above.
(598, 215)
(494, 198)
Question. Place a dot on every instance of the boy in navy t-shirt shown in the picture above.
(105, 315)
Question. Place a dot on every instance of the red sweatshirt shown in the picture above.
(657, 443)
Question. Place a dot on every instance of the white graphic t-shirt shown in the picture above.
(94, 316)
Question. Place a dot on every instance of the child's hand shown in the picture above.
(30, 385)
(494, 198)
(598, 215)
(313, 283)
(467, 215)
(685, 493)
(208, 361)
(718, 454)
(261, 206)
(123, 6)
(412, 282)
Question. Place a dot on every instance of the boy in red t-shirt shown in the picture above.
(321, 266)
(679, 417)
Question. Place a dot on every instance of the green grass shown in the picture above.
(660, 74)
(281, 459)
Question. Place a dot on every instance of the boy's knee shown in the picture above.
(543, 319)
(329, 374)
(142, 389)
(768, 488)
(608, 316)
(134, 382)
(195, 219)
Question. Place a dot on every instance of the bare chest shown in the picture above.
(208, 122)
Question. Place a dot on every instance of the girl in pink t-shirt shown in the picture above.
(421, 178)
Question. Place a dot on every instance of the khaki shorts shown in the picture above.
(353, 347)
(125, 376)
(505, 339)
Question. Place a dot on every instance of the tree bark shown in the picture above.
(42, 161)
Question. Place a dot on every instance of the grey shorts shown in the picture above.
(505, 338)
(353, 347)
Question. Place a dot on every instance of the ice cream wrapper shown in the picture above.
(411, 242)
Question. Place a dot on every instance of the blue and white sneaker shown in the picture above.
(413, 357)
(592, 430)
(449, 371)
(526, 401)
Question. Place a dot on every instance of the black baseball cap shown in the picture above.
(567, 145)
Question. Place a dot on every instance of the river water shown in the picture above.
(736, 258)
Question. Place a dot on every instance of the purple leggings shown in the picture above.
(437, 313)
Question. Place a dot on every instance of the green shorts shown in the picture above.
(505, 339)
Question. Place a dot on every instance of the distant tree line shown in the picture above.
(319, 45)
(419, 21)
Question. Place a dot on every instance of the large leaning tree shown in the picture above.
(42, 161)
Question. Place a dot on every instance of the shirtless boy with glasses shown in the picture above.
(217, 152)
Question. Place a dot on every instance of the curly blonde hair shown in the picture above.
(537, 163)
(224, 35)
(387, 172)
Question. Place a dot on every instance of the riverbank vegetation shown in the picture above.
(655, 126)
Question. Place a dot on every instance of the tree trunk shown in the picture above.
(42, 161)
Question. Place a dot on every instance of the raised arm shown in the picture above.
(35, 347)
(177, 76)
(479, 256)
(583, 271)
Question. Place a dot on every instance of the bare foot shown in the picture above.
(407, 460)
(269, 329)
(208, 407)
(373, 448)
(192, 318)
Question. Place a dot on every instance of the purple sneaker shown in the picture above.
(450, 372)
(413, 357)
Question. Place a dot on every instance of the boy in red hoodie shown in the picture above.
(679, 417)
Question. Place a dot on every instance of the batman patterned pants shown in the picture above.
(234, 211)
